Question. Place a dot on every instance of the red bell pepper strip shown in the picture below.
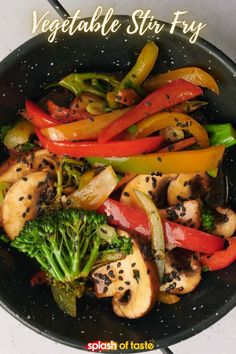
(130, 219)
(91, 148)
(220, 259)
(165, 97)
(38, 278)
(66, 115)
(136, 221)
(191, 239)
(37, 116)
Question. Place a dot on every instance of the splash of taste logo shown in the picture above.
(100, 346)
(141, 22)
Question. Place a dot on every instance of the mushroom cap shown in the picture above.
(132, 282)
(20, 202)
(13, 169)
(151, 185)
(186, 213)
(187, 186)
(225, 227)
(182, 272)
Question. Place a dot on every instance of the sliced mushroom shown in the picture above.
(12, 169)
(153, 185)
(186, 213)
(187, 187)
(182, 272)
(225, 224)
(132, 282)
(20, 203)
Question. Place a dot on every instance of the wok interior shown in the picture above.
(24, 74)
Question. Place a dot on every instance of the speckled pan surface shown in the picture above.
(23, 74)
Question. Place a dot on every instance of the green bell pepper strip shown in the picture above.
(221, 134)
(77, 83)
(188, 161)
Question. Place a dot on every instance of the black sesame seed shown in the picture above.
(25, 179)
(147, 179)
(154, 182)
(18, 169)
(133, 264)
(111, 274)
(105, 289)
(27, 209)
(159, 159)
(118, 265)
(147, 103)
(29, 196)
(126, 194)
(21, 198)
(148, 271)
(108, 267)
(120, 288)
(182, 214)
(121, 271)
(167, 96)
(120, 277)
(24, 215)
(127, 282)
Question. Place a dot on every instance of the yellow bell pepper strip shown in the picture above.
(167, 119)
(19, 134)
(78, 83)
(194, 75)
(188, 161)
(156, 231)
(94, 194)
(139, 72)
(167, 96)
(85, 129)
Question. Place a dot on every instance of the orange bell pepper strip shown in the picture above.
(188, 161)
(192, 74)
(128, 177)
(179, 145)
(188, 106)
(86, 129)
(167, 119)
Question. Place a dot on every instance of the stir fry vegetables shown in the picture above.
(120, 191)
(161, 99)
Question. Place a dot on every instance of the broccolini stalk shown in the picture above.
(221, 134)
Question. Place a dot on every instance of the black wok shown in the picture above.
(24, 74)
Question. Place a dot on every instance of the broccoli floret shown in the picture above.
(66, 243)
(221, 134)
(208, 219)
